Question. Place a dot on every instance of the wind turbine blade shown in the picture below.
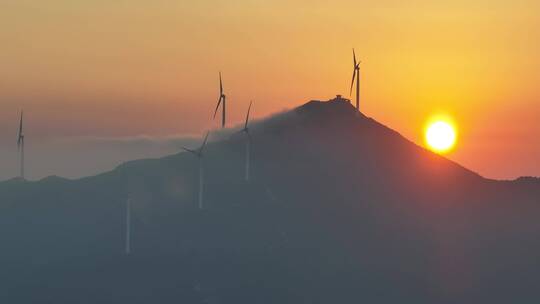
(21, 123)
(189, 150)
(352, 81)
(204, 142)
(220, 85)
(247, 116)
(354, 57)
(218, 103)
(20, 134)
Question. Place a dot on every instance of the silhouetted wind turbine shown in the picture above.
(199, 154)
(356, 74)
(221, 98)
(128, 226)
(248, 141)
(20, 146)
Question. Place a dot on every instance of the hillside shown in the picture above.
(339, 209)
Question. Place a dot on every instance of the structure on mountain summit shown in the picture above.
(340, 98)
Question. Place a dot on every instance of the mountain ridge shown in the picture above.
(337, 108)
(339, 209)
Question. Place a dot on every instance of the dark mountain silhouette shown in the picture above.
(340, 209)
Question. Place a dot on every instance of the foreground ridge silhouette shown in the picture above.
(338, 209)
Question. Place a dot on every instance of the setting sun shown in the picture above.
(440, 136)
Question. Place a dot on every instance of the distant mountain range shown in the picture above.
(339, 209)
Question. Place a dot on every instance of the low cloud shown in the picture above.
(75, 157)
(79, 156)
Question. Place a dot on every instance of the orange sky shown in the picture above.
(122, 68)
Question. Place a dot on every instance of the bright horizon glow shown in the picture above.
(440, 136)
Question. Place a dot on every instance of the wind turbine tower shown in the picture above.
(356, 75)
(248, 142)
(20, 146)
(222, 99)
(199, 154)
(128, 226)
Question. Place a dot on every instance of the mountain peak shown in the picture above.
(337, 106)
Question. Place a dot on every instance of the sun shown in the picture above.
(440, 136)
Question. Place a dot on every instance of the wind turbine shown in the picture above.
(221, 98)
(128, 226)
(199, 154)
(248, 142)
(20, 146)
(356, 74)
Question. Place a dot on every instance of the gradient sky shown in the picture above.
(127, 68)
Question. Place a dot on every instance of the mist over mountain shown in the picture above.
(68, 156)
(339, 209)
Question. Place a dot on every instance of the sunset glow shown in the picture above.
(150, 68)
